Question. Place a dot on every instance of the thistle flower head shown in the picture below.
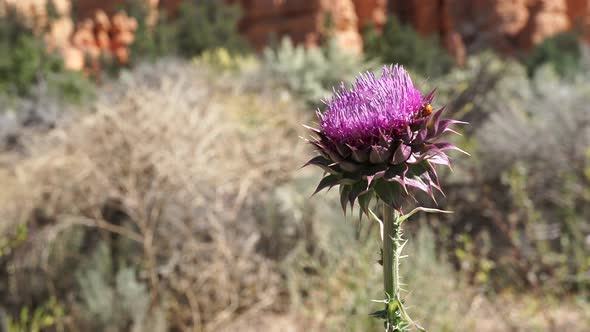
(379, 138)
(373, 106)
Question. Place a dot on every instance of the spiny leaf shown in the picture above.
(359, 155)
(364, 201)
(315, 130)
(418, 209)
(434, 122)
(401, 154)
(356, 190)
(327, 181)
(325, 164)
(443, 146)
(317, 161)
(417, 183)
(343, 150)
(378, 154)
(349, 166)
(391, 193)
(381, 314)
(430, 96)
(334, 155)
(440, 158)
(344, 191)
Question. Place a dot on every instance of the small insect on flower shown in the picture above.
(426, 110)
(380, 138)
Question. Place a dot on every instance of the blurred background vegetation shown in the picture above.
(168, 195)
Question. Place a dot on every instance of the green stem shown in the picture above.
(391, 252)
(395, 313)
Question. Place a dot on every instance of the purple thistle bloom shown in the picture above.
(373, 106)
(379, 139)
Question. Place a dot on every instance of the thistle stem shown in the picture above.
(391, 252)
(392, 247)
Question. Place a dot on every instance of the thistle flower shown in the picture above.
(379, 138)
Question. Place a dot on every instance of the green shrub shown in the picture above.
(197, 26)
(310, 73)
(523, 190)
(108, 280)
(222, 60)
(25, 63)
(111, 295)
(537, 141)
(207, 24)
(562, 52)
(400, 43)
(150, 42)
(42, 318)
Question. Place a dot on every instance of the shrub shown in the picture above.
(206, 25)
(42, 318)
(166, 175)
(26, 63)
(172, 191)
(562, 52)
(223, 60)
(400, 43)
(539, 146)
(519, 201)
(195, 27)
(310, 73)
(150, 42)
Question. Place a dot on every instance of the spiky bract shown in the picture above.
(380, 138)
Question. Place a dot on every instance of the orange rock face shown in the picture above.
(578, 12)
(509, 26)
(371, 11)
(103, 36)
(506, 25)
(84, 44)
(308, 22)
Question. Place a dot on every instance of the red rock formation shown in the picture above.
(578, 12)
(308, 22)
(82, 46)
(509, 26)
(103, 37)
(371, 11)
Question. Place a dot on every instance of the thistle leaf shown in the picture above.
(423, 209)
(401, 154)
(325, 164)
(343, 150)
(417, 183)
(364, 201)
(356, 190)
(381, 314)
(349, 166)
(315, 130)
(317, 161)
(391, 193)
(378, 154)
(359, 155)
(328, 181)
(344, 191)
(430, 96)
(443, 146)
(434, 122)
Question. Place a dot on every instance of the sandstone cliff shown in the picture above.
(509, 26)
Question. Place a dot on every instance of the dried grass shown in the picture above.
(198, 178)
(175, 160)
